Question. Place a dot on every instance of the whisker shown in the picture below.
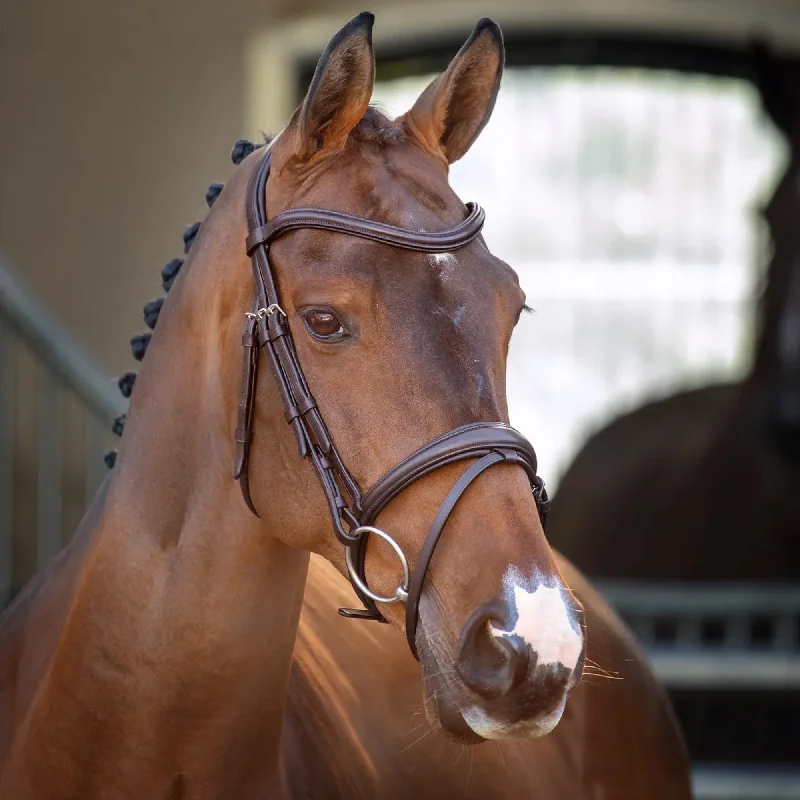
(469, 774)
(420, 738)
(600, 668)
(422, 724)
(446, 671)
(439, 691)
(446, 684)
(601, 677)
(594, 671)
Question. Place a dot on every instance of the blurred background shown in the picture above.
(639, 174)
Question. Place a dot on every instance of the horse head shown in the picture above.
(401, 346)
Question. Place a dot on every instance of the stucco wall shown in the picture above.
(115, 117)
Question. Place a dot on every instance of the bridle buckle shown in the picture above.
(260, 313)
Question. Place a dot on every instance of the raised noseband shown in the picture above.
(266, 326)
(489, 442)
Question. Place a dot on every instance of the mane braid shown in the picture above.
(141, 341)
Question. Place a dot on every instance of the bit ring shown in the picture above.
(401, 594)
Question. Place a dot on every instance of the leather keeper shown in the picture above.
(243, 435)
(305, 404)
(255, 238)
(277, 330)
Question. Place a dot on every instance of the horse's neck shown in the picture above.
(777, 351)
(167, 666)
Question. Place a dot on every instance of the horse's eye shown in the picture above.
(323, 324)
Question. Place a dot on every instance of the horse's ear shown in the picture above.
(453, 110)
(339, 93)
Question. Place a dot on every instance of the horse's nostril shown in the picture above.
(490, 666)
(518, 660)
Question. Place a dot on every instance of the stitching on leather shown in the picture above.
(380, 236)
(446, 459)
(471, 426)
(374, 507)
(294, 215)
(348, 224)
(393, 490)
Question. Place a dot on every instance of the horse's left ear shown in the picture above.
(453, 110)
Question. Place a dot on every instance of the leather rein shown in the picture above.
(353, 515)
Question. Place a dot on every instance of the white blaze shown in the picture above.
(547, 624)
(445, 262)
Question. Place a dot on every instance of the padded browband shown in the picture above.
(338, 222)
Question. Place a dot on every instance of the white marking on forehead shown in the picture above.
(546, 623)
(444, 262)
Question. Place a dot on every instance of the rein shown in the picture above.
(353, 516)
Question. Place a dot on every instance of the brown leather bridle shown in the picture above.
(267, 326)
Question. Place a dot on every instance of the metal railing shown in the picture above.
(30, 336)
(720, 638)
(754, 783)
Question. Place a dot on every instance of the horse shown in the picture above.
(186, 643)
(702, 485)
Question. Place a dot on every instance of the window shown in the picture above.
(626, 201)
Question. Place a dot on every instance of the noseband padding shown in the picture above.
(266, 327)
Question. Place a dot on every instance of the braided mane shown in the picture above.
(375, 126)
(169, 272)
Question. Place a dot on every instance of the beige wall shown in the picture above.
(114, 118)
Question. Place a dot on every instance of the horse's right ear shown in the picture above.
(452, 111)
(338, 96)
